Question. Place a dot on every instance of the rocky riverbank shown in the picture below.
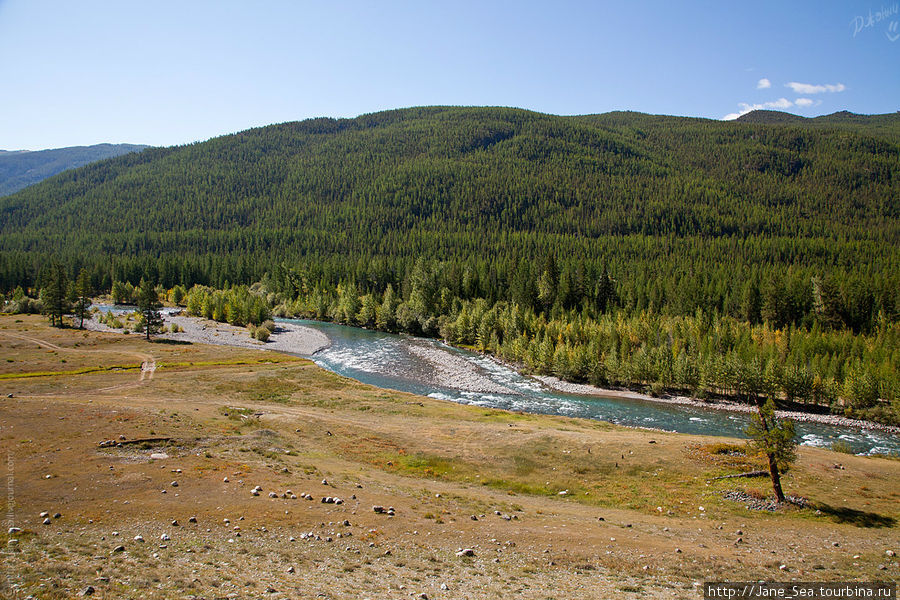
(453, 371)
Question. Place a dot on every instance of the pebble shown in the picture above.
(88, 591)
(46, 521)
(192, 520)
(175, 523)
(44, 515)
(119, 549)
(139, 538)
(890, 553)
(164, 537)
(378, 509)
(225, 480)
(14, 530)
(290, 569)
(465, 552)
(174, 484)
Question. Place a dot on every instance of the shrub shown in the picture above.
(842, 447)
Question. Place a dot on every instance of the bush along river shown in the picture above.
(431, 368)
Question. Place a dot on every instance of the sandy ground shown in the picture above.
(287, 337)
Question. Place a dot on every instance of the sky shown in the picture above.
(174, 72)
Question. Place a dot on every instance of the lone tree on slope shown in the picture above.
(773, 437)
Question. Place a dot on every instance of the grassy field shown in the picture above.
(586, 509)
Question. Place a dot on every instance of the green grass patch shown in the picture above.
(81, 371)
(431, 466)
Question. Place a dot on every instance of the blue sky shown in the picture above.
(163, 73)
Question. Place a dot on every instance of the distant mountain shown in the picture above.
(885, 126)
(769, 117)
(21, 168)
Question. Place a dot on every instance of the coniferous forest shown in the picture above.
(750, 258)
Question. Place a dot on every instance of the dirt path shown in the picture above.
(148, 362)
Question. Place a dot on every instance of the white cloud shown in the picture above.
(763, 84)
(810, 88)
(781, 103)
(804, 102)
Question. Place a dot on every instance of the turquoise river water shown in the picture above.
(396, 362)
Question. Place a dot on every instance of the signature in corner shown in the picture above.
(891, 33)
(861, 22)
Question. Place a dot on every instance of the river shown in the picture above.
(431, 368)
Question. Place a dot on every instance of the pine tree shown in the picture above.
(53, 294)
(775, 438)
(82, 296)
(148, 304)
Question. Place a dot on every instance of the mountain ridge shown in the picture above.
(404, 183)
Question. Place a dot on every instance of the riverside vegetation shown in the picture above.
(681, 255)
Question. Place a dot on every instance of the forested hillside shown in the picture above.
(23, 168)
(568, 222)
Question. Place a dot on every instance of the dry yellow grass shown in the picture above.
(282, 423)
